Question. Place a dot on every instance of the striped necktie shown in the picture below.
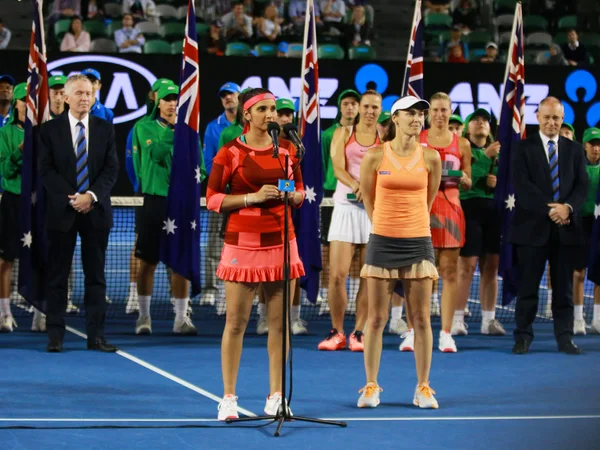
(83, 182)
(553, 161)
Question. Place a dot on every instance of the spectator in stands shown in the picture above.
(140, 9)
(465, 16)
(215, 41)
(358, 31)
(280, 5)
(297, 13)
(76, 40)
(282, 50)
(567, 131)
(334, 12)
(129, 39)
(7, 84)
(66, 8)
(269, 26)
(92, 9)
(491, 53)
(56, 86)
(574, 51)
(249, 8)
(237, 25)
(553, 57)
(455, 38)
(5, 36)
(455, 54)
(97, 109)
(437, 6)
(456, 124)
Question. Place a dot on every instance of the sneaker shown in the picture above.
(299, 327)
(579, 327)
(7, 324)
(369, 397)
(143, 325)
(132, 303)
(262, 327)
(107, 300)
(184, 326)
(408, 343)
(492, 328)
(595, 328)
(424, 397)
(228, 408)
(334, 341)
(467, 312)
(459, 328)
(39, 321)
(398, 326)
(435, 308)
(72, 308)
(356, 341)
(446, 344)
(209, 298)
(273, 403)
(324, 308)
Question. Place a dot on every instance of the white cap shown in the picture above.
(409, 102)
(491, 44)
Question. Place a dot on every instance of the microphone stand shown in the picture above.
(283, 413)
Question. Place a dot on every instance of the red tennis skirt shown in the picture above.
(447, 220)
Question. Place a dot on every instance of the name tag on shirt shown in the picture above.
(384, 172)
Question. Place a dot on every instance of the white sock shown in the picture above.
(397, 312)
(5, 307)
(459, 316)
(435, 297)
(295, 312)
(596, 312)
(262, 310)
(488, 316)
(132, 288)
(181, 305)
(549, 295)
(144, 304)
(578, 312)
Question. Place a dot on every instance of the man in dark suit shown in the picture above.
(79, 166)
(550, 182)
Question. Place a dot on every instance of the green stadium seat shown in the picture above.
(112, 27)
(435, 20)
(295, 50)
(331, 51)
(61, 27)
(561, 38)
(177, 47)
(566, 22)
(96, 28)
(173, 31)
(237, 49)
(535, 23)
(590, 39)
(157, 46)
(363, 52)
(266, 49)
(478, 38)
(476, 54)
(505, 6)
(202, 28)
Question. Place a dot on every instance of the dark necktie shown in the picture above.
(553, 161)
(83, 182)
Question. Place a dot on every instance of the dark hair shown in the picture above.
(236, 3)
(128, 14)
(243, 98)
(572, 29)
(73, 19)
(390, 129)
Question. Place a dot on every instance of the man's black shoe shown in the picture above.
(54, 346)
(101, 345)
(569, 348)
(521, 348)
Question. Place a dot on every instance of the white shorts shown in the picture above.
(349, 223)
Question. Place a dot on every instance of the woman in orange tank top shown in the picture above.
(399, 181)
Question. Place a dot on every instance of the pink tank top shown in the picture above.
(354, 153)
(450, 155)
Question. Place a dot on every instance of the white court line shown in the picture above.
(345, 419)
(168, 375)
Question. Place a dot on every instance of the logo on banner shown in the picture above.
(582, 85)
(128, 83)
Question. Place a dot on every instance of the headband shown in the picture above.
(258, 98)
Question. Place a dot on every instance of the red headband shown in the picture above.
(257, 98)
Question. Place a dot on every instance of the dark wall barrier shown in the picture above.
(126, 80)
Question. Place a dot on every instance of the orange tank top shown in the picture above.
(400, 209)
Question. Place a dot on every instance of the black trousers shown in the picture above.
(61, 246)
(532, 263)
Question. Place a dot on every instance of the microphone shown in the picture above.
(273, 130)
(291, 132)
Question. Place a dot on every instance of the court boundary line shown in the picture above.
(166, 374)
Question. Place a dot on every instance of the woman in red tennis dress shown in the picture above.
(253, 249)
(447, 218)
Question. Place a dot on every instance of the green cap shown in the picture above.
(570, 127)
(160, 83)
(166, 90)
(481, 112)
(20, 91)
(57, 80)
(348, 93)
(457, 118)
(385, 115)
(285, 103)
(591, 134)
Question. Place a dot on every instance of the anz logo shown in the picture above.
(120, 93)
(581, 86)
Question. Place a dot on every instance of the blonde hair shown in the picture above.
(74, 79)
(441, 96)
(371, 92)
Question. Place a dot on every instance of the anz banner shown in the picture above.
(127, 79)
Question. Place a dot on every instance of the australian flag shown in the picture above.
(180, 246)
(594, 264)
(33, 256)
(307, 219)
(413, 76)
(511, 130)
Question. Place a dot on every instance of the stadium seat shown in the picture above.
(538, 40)
(331, 51)
(150, 30)
(590, 39)
(435, 20)
(61, 27)
(363, 52)
(566, 22)
(182, 12)
(504, 22)
(202, 29)
(157, 46)
(103, 45)
(266, 49)
(476, 55)
(112, 27)
(504, 38)
(531, 56)
(177, 47)
(478, 38)
(96, 28)
(295, 50)
(113, 10)
(237, 49)
(173, 31)
(167, 12)
(561, 38)
(505, 6)
(535, 23)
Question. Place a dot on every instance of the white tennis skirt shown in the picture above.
(349, 223)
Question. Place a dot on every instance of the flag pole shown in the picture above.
(406, 80)
(511, 45)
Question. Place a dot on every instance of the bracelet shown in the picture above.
(246, 201)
